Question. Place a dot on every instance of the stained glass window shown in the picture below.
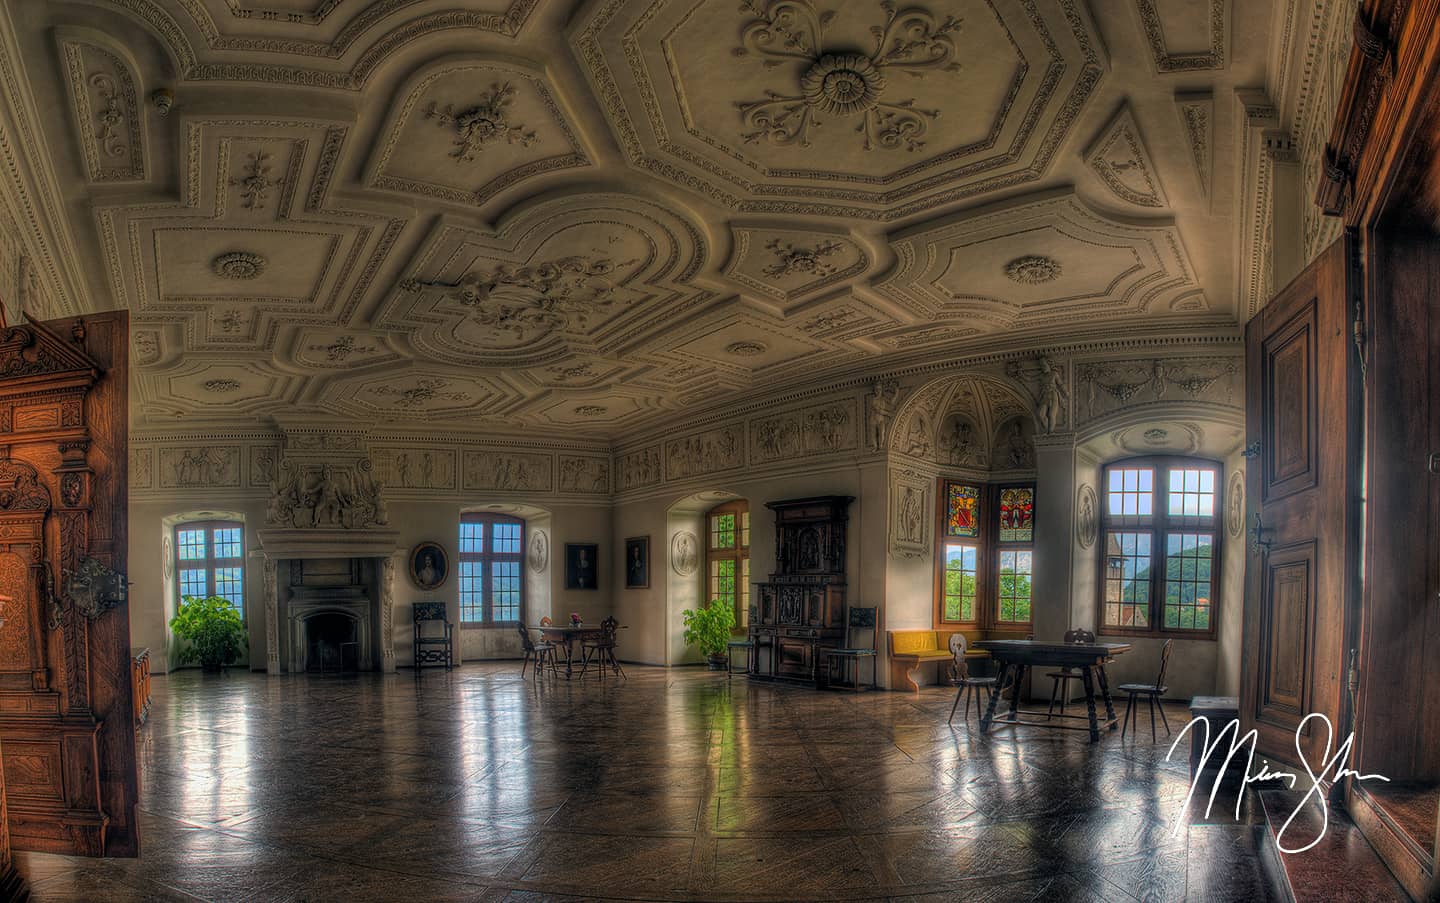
(962, 510)
(491, 585)
(1017, 514)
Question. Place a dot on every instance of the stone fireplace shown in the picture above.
(329, 559)
(331, 626)
(324, 588)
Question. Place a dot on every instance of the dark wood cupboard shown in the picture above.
(800, 610)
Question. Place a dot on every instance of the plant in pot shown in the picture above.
(212, 630)
(709, 628)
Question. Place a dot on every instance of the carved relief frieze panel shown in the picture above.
(1106, 386)
(264, 466)
(821, 429)
(638, 469)
(711, 451)
(467, 130)
(508, 471)
(907, 120)
(911, 513)
(325, 494)
(1014, 443)
(1036, 261)
(208, 466)
(141, 476)
(1119, 158)
(415, 468)
(104, 96)
(579, 276)
(584, 474)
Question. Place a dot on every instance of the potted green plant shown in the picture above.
(709, 628)
(213, 632)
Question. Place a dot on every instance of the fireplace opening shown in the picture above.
(331, 643)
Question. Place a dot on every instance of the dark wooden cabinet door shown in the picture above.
(1302, 478)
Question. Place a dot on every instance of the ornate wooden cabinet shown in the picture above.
(67, 731)
(801, 609)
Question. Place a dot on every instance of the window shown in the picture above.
(211, 560)
(1160, 557)
(984, 538)
(492, 585)
(727, 558)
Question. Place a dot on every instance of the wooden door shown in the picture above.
(67, 734)
(1303, 437)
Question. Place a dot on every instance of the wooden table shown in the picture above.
(564, 634)
(1021, 655)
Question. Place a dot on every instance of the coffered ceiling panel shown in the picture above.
(467, 130)
(581, 219)
(1037, 261)
(586, 274)
(913, 106)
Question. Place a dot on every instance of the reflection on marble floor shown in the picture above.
(474, 785)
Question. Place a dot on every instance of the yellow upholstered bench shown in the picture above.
(914, 649)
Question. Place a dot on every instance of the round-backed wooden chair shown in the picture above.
(1153, 692)
(965, 685)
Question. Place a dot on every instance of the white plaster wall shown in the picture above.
(653, 616)
(153, 598)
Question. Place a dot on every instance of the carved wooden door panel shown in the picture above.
(67, 739)
(1303, 432)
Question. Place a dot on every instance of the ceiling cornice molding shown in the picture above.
(31, 180)
(1209, 342)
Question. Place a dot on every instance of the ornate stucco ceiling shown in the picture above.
(582, 217)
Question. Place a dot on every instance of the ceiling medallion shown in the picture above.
(423, 392)
(1156, 436)
(255, 185)
(1033, 269)
(222, 385)
(799, 261)
(560, 294)
(482, 124)
(341, 349)
(842, 84)
(238, 265)
(590, 410)
(745, 349)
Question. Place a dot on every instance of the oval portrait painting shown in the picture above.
(428, 566)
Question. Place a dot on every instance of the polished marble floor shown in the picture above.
(672, 785)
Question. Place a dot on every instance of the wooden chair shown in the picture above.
(541, 652)
(1152, 691)
(1065, 675)
(859, 619)
(602, 649)
(431, 648)
(968, 686)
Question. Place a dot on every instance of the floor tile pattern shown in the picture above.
(672, 785)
